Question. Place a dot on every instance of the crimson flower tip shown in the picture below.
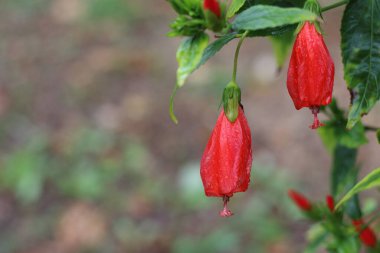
(301, 201)
(213, 6)
(330, 203)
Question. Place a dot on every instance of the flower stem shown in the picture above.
(237, 56)
(334, 5)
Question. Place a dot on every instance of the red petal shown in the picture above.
(330, 203)
(301, 201)
(213, 6)
(227, 160)
(311, 70)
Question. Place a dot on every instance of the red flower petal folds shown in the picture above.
(213, 6)
(301, 201)
(227, 160)
(311, 71)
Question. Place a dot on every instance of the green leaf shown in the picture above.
(335, 132)
(370, 181)
(360, 46)
(189, 55)
(214, 47)
(316, 236)
(178, 6)
(234, 7)
(187, 26)
(378, 135)
(281, 46)
(280, 3)
(264, 16)
(277, 31)
(344, 168)
(349, 245)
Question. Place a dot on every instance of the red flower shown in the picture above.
(330, 203)
(311, 72)
(301, 201)
(367, 236)
(227, 160)
(213, 6)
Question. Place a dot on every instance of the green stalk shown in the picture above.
(344, 173)
(237, 56)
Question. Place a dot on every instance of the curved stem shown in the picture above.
(237, 56)
(334, 5)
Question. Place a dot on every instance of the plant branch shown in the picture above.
(237, 55)
(334, 5)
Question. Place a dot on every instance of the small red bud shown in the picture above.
(213, 6)
(367, 236)
(330, 203)
(301, 201)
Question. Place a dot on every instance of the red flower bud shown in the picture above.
(301, 201)
(367, 236)
(213, 6)
(227, 160)
(311, 72)
(330, 203)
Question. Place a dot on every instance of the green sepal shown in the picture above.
(186, 26)
(215, 23)
(190, 20)
(231, 101)
(314, 7)
(315, 214)
(178, 6)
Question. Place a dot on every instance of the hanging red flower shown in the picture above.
(311, 72)
(227, 159)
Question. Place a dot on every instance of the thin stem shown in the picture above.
(334, 5)
(237, 56)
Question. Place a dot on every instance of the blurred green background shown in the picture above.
(90, 161)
